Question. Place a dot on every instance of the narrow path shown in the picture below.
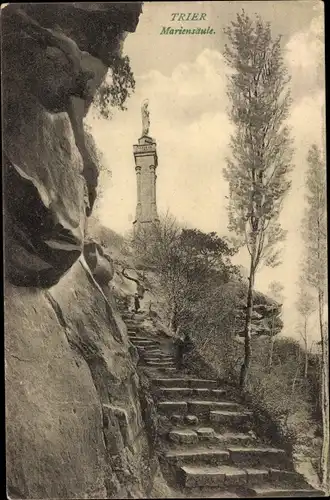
(208, 445)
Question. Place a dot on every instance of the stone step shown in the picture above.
(181, 421)
(145, 342)
(206, 434)
(193, 476)
(192, 436)
(183, 436)
(161, 364)
(237, 420)
(185, 382)
(188, 393)
(287, 478)
(164, 353)
(154, 350)
(146, 346)
(198, 455)
(210, 493)
(170, 407)
(204, 407)
(158, 359)
(150, 353)
(258, 456)
(135, 338)
(159, 356)
(202, 434)
(269, 491)
(234, 438)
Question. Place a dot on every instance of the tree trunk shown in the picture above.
(247, 328)
(295, 380)
(271, 351)
(324, 395)
(296, 374)
(174, 318)
(271, 348)
(306, 350)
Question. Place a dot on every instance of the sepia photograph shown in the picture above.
(165, 249)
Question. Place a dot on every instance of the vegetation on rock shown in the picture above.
(117, 87)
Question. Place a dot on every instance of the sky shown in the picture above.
(184, 78)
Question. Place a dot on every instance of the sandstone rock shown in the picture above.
(55, 443)
(206, 432)
(55, 57)
(66, 377)
(44, 227)
(176, 419)
(99, 262)
(183, 436)
(104, 23)
(191, 419)
(74, 424)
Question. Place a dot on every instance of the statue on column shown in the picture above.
(145, 117)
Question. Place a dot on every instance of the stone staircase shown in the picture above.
(208, 445)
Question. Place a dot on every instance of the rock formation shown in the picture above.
(55, 56)
(74, 425)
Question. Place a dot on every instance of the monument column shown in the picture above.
(153, 183)
(138, 182)
(146, 162)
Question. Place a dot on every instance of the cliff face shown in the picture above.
(54, 59)
(73, 417)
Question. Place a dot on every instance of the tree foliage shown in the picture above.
(260, 162)
(306, 306)
(117, 87)
(204, 290)
(190, 264)
(306, 301)
(275, 290)
(314, 231)
(314, 224)
(258, 169)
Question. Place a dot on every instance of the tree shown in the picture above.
(275, 289)
(188, 261)
(117, 87)
(314, 232)
(306, 306)
(260, 161)
(156, 248)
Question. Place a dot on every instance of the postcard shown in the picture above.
(165, 249)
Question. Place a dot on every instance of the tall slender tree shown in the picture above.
(314, 231)
(306, 306)
(275, 290)
(261, 153)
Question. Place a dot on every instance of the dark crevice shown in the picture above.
(57, 309)
(32, 226)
